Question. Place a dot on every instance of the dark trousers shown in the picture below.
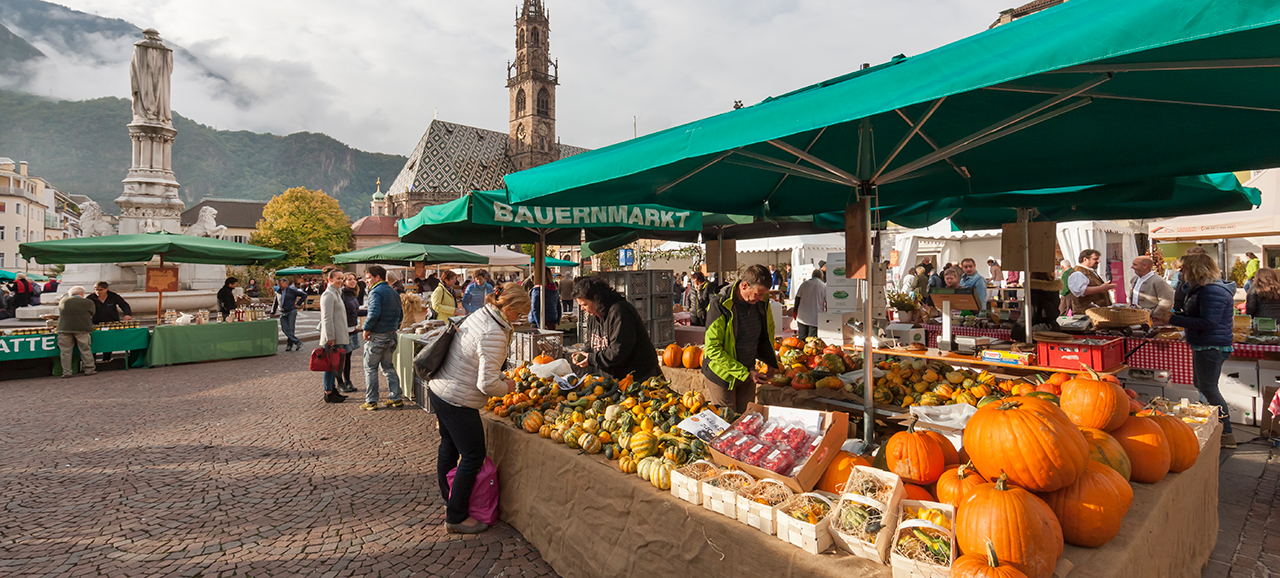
(461, 445)
(1206, 367)
(804, 331)
(743, 392)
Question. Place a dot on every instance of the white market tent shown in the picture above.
(1261, 221)
(801, 250)
(498, 256)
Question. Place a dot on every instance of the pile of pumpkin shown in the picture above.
(688, 357)
(1035, 473)
(809, 364)
(633, 423)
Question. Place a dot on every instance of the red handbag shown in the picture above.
(326, 359)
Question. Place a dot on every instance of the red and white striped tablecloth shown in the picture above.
(933, 331)
(1175, 356)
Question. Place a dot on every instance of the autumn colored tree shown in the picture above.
(309, 225)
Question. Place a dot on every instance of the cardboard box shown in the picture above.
(841, 299)
(1239, 378)
(907, 333)
(834, 328)
(836, 428)
(904, 567)
(835, 272)
(1269, 425)
(1009, 357)
(1243, 410)
(1268, 374)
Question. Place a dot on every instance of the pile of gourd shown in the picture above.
(633, 423)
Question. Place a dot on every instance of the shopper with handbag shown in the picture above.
(333, 332)
(350, 299)
(472, 372)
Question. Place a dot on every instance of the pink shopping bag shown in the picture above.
(484, 496)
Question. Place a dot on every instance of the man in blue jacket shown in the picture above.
(288, 299)
(380, 327)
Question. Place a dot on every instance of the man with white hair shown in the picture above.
(75, 328)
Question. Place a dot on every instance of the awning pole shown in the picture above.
(1024, 221)
(539, 276)
(159, 296)
(868, 380)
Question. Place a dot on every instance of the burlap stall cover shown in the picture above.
(685, 380)
(588, 519)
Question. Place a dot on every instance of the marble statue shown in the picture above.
(91, 222)
(149, 74)
(207, 224)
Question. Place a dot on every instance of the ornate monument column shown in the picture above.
(150, 201)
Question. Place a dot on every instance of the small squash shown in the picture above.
(541, 359)
(545, 430)
(589, 443)
(642, 444)
(627, 464)
(1105, 450)
(532, 421)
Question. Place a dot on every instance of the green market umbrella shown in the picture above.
(1090, 91)
(11, 276)
(299, 270)
(144, 246)
(554, 262)
(409, 253)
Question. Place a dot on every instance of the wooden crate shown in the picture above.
(762, 517)
(879, 551)
(688, 488)
(812, 538)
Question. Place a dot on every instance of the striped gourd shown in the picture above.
(660, 475)
(572, 436)
(642, 444)
(589, 443)
(645, 467)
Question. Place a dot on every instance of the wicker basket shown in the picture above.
(1117, 317)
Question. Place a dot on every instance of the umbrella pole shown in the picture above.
(1024, 221)
(539, 275)
(159, 297)
(868, 380)
(720, 256)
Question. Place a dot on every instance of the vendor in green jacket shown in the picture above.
(739, 333)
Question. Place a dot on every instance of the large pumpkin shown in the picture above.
(1094, 403)
(1105, 450)
(949, 454)
(671, 356)
(834, 478)
(914, 492)
(1091, 509)
(1184, 447)
(1147, 447)
(1022, 528)
(983, 566)
(914, 456)
(692, 357)
(956, 483)
(1029, 439)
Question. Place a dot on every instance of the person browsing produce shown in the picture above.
(739, 333)
(623, 345)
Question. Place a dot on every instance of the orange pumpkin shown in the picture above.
(1091, 509)
(1147, 447)
(1105, 450)
(1184, 447)
(956, 482)
(838, 472)
(979, 566)
(914, 456)
(914, 492)
(1094, 403)
(1030, 439)
(949, 454)
(541, 359)
(671, 356)
(692, 357)
(1024, 531)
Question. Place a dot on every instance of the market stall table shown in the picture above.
(1174, 356)
(587, 518)
(173, 344)
(932, 332)
(45, 345)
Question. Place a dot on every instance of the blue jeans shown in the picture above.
(380, 350)
(1206, 367)
(331, 377)
(288, 321)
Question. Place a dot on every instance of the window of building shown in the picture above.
(17, 233)
(533, 37)
(544, 102)
(1, 206)
(1, 232)
(1, 260)
(19, 205)
(240, 239)
(520, 98)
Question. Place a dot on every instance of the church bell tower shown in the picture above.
(532, 80)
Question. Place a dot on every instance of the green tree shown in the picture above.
(309, 225)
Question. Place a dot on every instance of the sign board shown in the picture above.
(162, 279)
(729, 248)
(626, 257)
(1044, 241)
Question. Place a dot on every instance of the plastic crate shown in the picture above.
(637, 283)
(662, 332)
(526, 345)
(661, 281)
(1071, 354)
(660, 306)
(642, 306)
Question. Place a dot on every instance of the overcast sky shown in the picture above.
(371, 73)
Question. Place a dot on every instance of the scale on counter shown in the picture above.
(965, 345)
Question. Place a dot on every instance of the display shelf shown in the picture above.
(955, 358)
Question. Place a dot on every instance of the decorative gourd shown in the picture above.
(1091, 509)
(950, 455)
(660, 475)
(693, 399)
(1105, 450)
(1022, 527)
(978, 566)
(834, 478)
(604, 436)
(1091, 402)
(623, 437)
(956, 483)
(671, 356)
(914, 492)
(590, 426)
(614, 412)
(589, 443)
(692, 357)
(541, 359)
(914, 456)
(1029, 439)
(627, 464)
(1184, 447)
(642, 444)
(676, 454)
(645, 467)
(1144, 442)
(532, 422)
(611, 451)
(557, 436)
(572, 436)
(545, 430)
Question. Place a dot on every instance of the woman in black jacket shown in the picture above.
(1263, 299)
(351, 300)
(623, 345)
(227, 297)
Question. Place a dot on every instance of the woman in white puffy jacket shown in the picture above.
(470, 375)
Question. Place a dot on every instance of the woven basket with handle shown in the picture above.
(1117, 317)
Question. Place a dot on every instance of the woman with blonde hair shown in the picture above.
(471, 374)
(1206, 315)
(1263, 299)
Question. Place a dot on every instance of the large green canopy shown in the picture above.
(11, 276)
(145, 246)
(487, 217)
(298, 270)
(409, 253)
(1090, 91)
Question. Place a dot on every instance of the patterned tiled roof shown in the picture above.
(456, 158)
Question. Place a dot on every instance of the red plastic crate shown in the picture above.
(1070, 354)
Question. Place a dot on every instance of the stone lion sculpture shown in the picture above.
(91, 222)
(207, 225)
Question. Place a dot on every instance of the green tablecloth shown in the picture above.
(46, 345)
(404, 364)
(173, 344)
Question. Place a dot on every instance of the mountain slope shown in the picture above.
(82, 147)
(15, 53)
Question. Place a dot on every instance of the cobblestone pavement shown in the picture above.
(233, 468)
(1248, 518)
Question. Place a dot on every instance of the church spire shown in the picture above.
(532, 79)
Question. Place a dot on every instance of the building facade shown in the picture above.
(239, 216)
(23, 210)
